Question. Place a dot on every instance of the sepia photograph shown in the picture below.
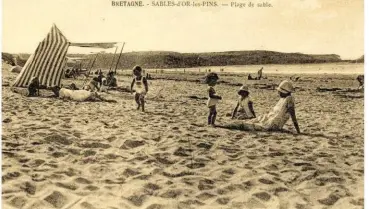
(182, 104)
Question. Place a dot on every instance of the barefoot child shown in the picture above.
(278, 116)
(141, 87)
(244, 109)
(211, 80)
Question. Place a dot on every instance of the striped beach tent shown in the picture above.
(47, 62)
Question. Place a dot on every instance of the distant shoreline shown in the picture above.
(169, 60)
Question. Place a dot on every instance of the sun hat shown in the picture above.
(211, 76)
(285, 87)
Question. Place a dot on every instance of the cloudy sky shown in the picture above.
(306, 26)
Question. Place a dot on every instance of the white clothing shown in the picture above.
(212, 101)
(139, 86)
(244, 111)
(276, 119)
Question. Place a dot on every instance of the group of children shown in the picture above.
(244, 110)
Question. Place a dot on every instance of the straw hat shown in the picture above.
(285, 87)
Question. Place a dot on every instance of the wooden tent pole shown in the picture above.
(120, 54)
(90, 69)
(112, 61)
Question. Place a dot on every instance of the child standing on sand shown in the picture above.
(141, 87)
(244, 109)
(211, 80)
(277, 118)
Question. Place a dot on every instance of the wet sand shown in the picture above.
(65, 154)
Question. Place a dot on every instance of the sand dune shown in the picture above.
(63, 154)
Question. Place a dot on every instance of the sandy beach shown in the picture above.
(69, 155)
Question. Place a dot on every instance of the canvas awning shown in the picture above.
(106, 45)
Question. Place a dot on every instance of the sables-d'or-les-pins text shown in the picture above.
(232, 4)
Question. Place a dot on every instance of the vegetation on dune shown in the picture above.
(166, 59)
(360, 60)
(9, 58)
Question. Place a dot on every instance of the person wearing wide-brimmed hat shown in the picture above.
(282, 111)
(244, 109)
(277, 118)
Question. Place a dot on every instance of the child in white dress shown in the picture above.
(244, 109)
(211, 80)
(141, 87)
(277, 118)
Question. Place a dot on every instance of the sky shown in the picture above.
(305, 26)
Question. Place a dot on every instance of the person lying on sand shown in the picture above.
(277, 117)
(141, 88)
(211, 79)
(244, 108)
(79, 95)
(33, 87)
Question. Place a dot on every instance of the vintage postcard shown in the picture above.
(182, 104)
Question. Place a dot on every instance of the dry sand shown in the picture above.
(63, 154)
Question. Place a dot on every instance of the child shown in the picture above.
(92, 85)
(211, 80)
(141, 87)
(277, 118)
(246, 110)
(33, 87)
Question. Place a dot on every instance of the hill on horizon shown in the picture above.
(169, 59)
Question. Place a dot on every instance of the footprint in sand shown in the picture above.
(206, 184)
(86, 205)
(265, 181)
(10, 176)
(155, 206)
(128, 144)
(18, 202)
(68, 185)
(262, 196)
(56, 199)
(223, 200)
(137, 200)
(330, 200)
(91, 188)
(171, 193)
(29, 188)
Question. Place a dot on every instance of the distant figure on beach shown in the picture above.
(294, 78)
(260, 74)
(360, 79)
(33, 87)
(258, 77)
(277, 117)
(211, 79)
(244, 108)
(141, 87)
(249, 77)
(111, 80)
